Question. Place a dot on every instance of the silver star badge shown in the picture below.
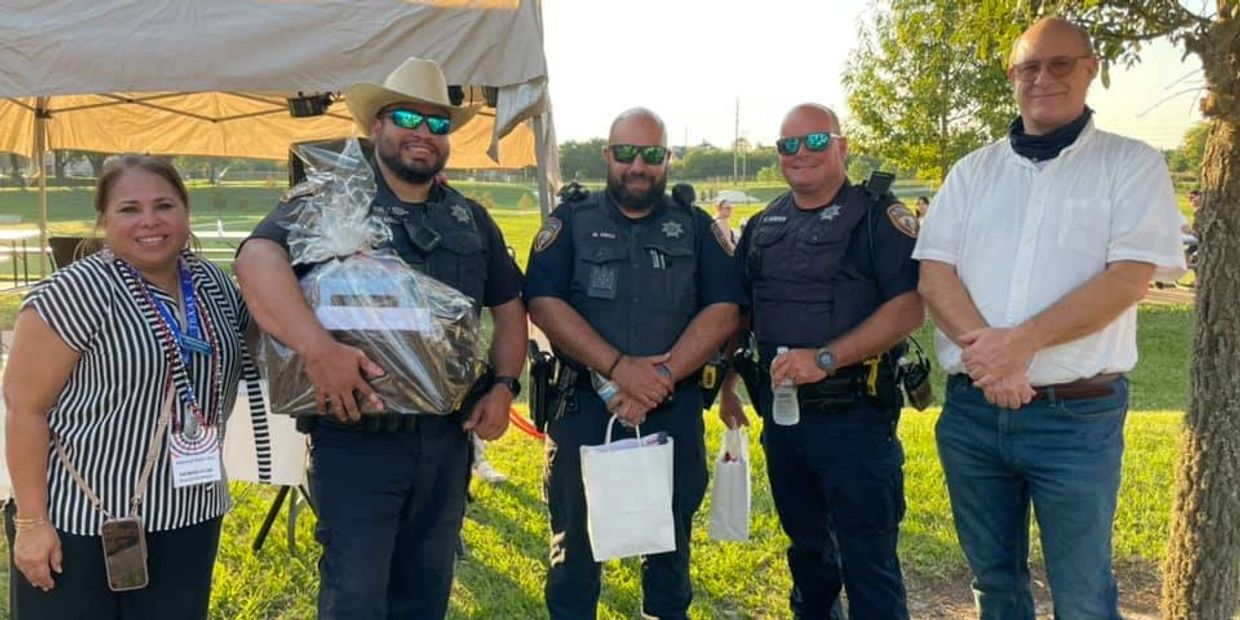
(460, 213)
(673, 230)
(830, 213)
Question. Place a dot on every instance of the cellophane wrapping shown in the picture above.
(423, 333)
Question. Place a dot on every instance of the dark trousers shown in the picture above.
(838, 486)
(179, 562)
(390, 506)
(573, 579)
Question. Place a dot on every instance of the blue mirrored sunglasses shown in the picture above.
(816, 142)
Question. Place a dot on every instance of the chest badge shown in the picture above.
(460, 213)
(673, 230)
(830, 213)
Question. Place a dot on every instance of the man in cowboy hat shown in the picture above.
(390, 491)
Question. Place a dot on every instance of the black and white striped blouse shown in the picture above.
(108, 409)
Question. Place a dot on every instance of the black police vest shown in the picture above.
(458, 258)
(806, 291)
(634, 281)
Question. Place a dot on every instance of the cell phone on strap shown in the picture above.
(124, 554)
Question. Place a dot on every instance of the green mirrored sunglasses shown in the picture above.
(626, 153)
(411, 119)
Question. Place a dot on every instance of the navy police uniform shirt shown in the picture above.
(814, 275)
(638, 282)
(486, 271)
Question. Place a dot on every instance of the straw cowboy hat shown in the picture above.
(416, 80)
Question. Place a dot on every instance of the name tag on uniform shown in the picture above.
(602, 282)
(195, 456)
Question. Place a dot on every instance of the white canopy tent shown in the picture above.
(213, 78)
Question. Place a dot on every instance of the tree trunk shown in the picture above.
(1203, 560)
(59, 159)
(96, 163)
(15, 165)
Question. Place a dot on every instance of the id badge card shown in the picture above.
(195, 455)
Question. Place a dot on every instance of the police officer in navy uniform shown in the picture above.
(634, 286)
(829, 271)
(390, 490)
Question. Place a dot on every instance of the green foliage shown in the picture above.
(925, 87)
(1192, 150)
(860, 166)
(583, 160)
(770, 174)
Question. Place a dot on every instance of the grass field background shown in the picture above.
(506, 533)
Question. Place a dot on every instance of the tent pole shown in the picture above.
(40, 147)
(540, 155)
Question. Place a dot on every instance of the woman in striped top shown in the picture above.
(134, 350)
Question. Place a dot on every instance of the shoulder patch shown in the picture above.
(548, 233)
(903, 219)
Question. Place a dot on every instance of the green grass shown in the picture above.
(506, 530)
(506, 536)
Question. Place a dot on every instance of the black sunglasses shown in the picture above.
(626, 153)
(410, 119)
(816, 142)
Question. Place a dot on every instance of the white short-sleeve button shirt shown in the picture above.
(1022, 235)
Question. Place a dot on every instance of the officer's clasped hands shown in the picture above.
(640, 381)
(798, 366)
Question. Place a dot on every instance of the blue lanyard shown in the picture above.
(190, 340)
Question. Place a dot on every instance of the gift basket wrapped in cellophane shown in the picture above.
(423, 333)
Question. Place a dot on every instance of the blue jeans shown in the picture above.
(390, 506)
(1061, 456)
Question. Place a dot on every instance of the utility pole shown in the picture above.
(736, 135)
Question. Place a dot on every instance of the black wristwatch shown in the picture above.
(511, 383)
(825, 360)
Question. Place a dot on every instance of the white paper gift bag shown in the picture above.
(628, 486)
(729, 498)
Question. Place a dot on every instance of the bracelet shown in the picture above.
(612, 368)
(22, 525)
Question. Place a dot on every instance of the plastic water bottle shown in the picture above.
(605, 388)
(785, 410)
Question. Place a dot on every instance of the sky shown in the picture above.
(690, 60)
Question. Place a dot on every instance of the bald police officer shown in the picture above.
(634, 286)
(827, 265)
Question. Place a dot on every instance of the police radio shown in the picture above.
(914, 371)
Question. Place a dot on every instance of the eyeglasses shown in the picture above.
(1058, 67)
(816, 142)
(626, 153)
(409, 119)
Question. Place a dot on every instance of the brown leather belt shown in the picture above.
(1096, 386)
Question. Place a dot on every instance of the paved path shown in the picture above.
(1179, 296)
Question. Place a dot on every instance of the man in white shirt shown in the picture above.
(1033, 257)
